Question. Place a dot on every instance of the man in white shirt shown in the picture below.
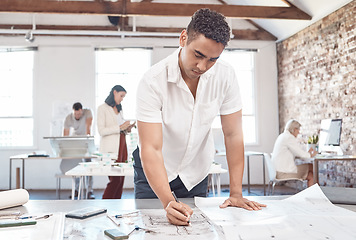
(286, 149)
(80, 120)
(177, 100)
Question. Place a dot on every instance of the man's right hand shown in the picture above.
(178, 213)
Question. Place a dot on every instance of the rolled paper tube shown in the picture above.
(13, 198)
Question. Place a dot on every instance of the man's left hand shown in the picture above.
(242, 203)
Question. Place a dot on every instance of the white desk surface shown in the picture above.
(119, 171)
(26, 157)
(89, 226)
(80, 170)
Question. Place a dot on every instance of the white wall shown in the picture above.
(64, 72)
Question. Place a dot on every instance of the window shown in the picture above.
(244, 64)
(126, 66)
(16, 101)
(123, 67)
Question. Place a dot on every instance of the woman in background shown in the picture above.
(286, 149)
(112, 128)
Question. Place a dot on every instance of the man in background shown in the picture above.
(80, 120)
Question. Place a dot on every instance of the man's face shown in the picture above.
(198, 56)
(78, 113)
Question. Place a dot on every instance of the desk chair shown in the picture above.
(272, 176)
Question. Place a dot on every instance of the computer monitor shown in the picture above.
(72, 146)
(330, 134)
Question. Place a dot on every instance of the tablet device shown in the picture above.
(85, 212)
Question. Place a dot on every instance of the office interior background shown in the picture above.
(308, 76)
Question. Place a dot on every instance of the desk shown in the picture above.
(215, 171)
(90, 230)
(248, 154)
(315, 161)
(81, 172)
(24, 157)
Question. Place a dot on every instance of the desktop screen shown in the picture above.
(330, 133)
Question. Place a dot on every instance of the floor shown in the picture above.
(256, 190)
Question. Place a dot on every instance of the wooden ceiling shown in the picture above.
(126, 8)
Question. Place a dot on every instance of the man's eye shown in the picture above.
(198, 56)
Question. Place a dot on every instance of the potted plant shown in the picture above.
(312, 142)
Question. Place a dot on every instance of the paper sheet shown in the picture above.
(152, 219)
(44, 229)
(306, 215)
(12, 198)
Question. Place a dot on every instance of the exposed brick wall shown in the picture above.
(317, 80)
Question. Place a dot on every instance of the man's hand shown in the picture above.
(242, 203)
(178, 213)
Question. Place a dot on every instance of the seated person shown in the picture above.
(286, 149)
(80, 120)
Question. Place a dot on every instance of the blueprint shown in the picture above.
(306, 215)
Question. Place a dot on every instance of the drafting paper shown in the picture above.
(50, 228)
(306, 215)
(202, 228)
(12, 198)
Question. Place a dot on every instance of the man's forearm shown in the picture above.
(153, 166)
(235, 159)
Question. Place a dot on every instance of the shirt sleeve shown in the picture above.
(67, 122)
(232, 102)
(88, 113)
(296, 149)
(149, 103)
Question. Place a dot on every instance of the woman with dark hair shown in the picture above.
(112, 128)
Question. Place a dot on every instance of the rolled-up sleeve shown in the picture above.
(232, 101)
(149, 103)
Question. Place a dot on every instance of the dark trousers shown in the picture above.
(114, 188)
(143, 190)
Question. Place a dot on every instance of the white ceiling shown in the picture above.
(318, 9)
(280, 28)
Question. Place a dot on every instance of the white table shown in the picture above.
(25, 157)
(82, 172)
(248, 154)
(215, 171)
(89, 228)
(315, 161)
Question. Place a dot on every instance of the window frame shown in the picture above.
(32, 116)
(254, 93)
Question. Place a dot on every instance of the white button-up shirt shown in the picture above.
(163, 97)
(286, 149)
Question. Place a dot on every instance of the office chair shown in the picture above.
(272, 176)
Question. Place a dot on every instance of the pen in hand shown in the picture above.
(175, 198)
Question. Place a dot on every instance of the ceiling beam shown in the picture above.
(146, 8)
(245, 34)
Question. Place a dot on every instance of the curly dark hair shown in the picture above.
(209, 23)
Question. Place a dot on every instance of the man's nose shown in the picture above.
(202, 65)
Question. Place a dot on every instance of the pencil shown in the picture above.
(175, 198)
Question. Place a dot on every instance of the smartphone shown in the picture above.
(115, 234)
(85, 212)
(132, 122)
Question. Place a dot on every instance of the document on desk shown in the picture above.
(306, 215)
(151, 224)
(44, 229)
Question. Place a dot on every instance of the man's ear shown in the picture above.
(183, 38)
